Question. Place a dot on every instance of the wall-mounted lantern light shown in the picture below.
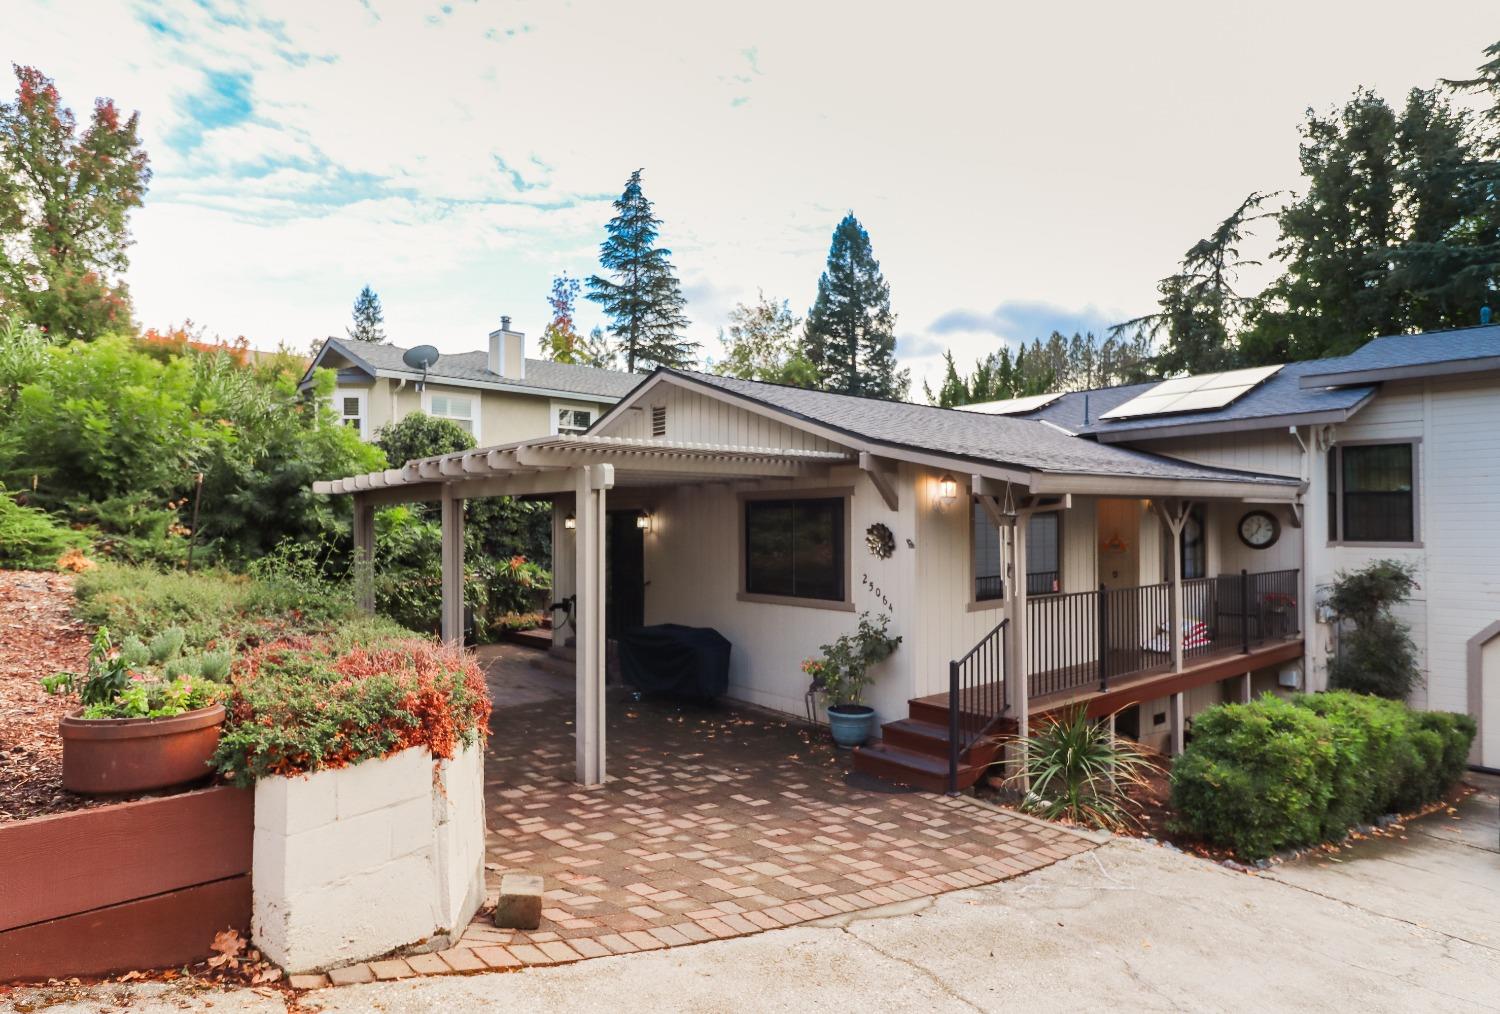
(570, 522)
(643, 520)
(947, 492)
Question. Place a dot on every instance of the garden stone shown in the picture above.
(520, 904)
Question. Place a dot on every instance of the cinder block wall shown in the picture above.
(355, 862)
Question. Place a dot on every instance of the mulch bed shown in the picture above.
(38, 636)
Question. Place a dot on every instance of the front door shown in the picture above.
(624, 573)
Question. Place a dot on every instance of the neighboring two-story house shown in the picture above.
(496, 394)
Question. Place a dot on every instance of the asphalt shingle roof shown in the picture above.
(473, 366)
(1024, 443)
(1405, 351)
(1281, 394)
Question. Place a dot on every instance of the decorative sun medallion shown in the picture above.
(880, 540)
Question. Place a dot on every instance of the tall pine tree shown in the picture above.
(849, 338)
(644, 297)
(368, 317)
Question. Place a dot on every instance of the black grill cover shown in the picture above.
(676, 661)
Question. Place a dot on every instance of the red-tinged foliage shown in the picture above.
(308, 704)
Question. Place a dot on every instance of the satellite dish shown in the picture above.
(420, 358)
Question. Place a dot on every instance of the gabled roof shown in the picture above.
(471, 369)
(1407, 356)
(1281, 400)
(1025, 444)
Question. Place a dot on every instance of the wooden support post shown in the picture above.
(589, 561)
(1175, 513)
(1016, 664)
(1179, 723)
(453, 567)
(364, 554)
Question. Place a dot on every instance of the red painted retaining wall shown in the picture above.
(144, 884)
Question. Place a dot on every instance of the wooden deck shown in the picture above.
(1131, 688)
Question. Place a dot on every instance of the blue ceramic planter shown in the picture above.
(851, 724)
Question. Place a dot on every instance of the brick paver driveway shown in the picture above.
(716, 822)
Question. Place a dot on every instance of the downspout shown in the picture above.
(1305, 593)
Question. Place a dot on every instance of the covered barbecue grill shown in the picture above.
(672, 660)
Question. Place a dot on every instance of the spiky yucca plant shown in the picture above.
(1078, 771)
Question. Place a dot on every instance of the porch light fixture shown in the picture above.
(643, 520)
(570, 522)
(947, 492)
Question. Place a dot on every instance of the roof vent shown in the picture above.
(658, 420)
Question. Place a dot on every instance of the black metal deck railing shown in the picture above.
(978, 694)
(1243, 610)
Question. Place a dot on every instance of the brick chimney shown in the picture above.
(508, 352)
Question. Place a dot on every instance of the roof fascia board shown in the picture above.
(1139, 486)
(853, 441)
(483, 385)
(1267, 422)
(1414, 372)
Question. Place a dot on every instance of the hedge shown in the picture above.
(1280, 773)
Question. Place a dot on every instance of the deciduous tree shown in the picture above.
(761, 344)
(65, 198)
(560, 338)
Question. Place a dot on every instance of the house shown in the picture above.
(1143, 552)
(497, 394)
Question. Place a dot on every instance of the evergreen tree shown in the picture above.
(367, 317)
(849, 338)
(644, 299)
(64, 202)
(595, 350)
(560, 339)
(761, 344)
(1200, 310)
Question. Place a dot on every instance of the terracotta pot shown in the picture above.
(104, 756)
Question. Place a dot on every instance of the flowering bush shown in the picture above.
(309, 703)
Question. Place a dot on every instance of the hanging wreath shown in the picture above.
(880, 540)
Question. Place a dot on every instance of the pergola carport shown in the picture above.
(584, 466)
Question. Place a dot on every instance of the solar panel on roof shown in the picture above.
(1012, 406)
(1193, 394)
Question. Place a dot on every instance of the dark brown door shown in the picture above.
(625, 573)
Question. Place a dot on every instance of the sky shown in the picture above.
(1020, 168)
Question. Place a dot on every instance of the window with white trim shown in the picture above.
(571, 418)
(459, 408)
(350, 406)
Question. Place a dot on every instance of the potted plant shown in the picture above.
(841, 674)
(149, 719)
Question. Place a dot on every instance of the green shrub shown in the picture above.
(1256, 777)
(32, 539)
(216, 609)
(305, 704)
(1276, 774)
(1376, 655)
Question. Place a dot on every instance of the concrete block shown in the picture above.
(520, 905)
(293, 805)
(376, 784)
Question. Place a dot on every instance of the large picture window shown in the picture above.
(795, 548)
(1372, 493)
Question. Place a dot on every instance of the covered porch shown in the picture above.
(586, 473)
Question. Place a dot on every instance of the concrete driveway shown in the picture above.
(1409, 924)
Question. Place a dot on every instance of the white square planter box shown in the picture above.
(355, 862)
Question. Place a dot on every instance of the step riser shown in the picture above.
(908, 739)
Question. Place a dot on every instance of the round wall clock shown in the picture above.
(1259, 529)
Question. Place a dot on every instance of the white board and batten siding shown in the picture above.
(698, 418)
